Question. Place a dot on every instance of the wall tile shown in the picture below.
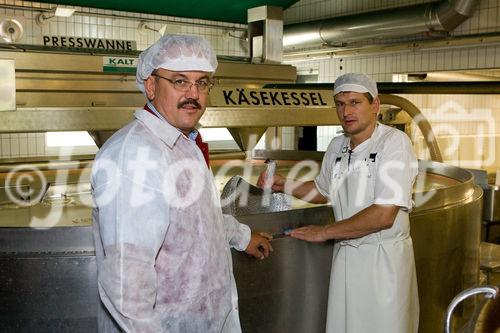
(5, 143)
(32, 145)
(40, 144)
(23, 146)
(14, 145)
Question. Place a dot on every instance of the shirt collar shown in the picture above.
(161, 128)
(192, 135)
(153, 109)
(367, 143)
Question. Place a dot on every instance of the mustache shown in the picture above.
(189, 101)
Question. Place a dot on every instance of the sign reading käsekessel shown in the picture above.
(276, 98)
(90, 43)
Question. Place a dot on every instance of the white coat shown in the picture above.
(373, 286)
(162, 242)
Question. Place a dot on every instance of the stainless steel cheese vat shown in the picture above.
(288, 292)
(47, 275)
(446, 232)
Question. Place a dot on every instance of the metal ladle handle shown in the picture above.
(270, 170)
(268, 185)
(490, 291)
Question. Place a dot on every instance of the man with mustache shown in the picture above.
(367, 175)
(162, 242)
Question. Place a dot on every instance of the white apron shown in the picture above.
(373, 285)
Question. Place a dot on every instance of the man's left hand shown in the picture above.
(259, 246)
(311, 233)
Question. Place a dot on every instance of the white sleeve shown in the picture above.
(396, 172)
(324, 178)
(238, 234)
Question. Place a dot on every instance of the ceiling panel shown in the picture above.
(218, 10)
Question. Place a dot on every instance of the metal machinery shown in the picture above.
(47, 263)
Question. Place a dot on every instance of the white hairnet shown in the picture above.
(355, 82)
(176, 53)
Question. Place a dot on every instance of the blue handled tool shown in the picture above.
(284, 233)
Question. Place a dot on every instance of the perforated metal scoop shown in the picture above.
(241, 198)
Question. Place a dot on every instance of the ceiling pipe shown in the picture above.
(431, 17)
(426, 88)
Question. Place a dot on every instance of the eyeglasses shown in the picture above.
(203, 86)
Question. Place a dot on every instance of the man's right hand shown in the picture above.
(260, 245)
(306, 191)
(277, 184)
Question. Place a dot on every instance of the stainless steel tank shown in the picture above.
(46, 274)
(446, 231)
(288, 292)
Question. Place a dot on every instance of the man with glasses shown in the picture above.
(367, 175)
(162, 242)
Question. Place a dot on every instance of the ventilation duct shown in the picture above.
(433, 17)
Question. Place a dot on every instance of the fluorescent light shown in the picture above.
(162, 30)
(59, 11)
(215, 134)
(68, 139)
(64, 11)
